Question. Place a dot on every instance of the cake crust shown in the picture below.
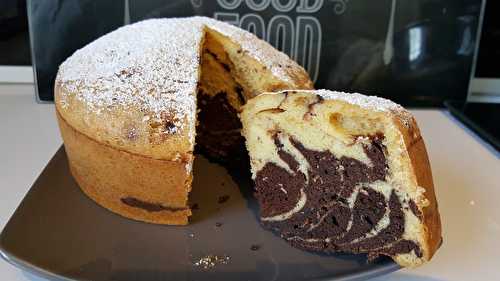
(117, 179)
(420, 164)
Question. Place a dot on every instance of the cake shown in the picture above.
(342, 172)
(127, 108)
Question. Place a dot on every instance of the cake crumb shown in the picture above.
(223, 199)
(211, 261)
(191, 235)
(255, 247)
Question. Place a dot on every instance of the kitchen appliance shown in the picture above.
(418, 53)
(481, 111)
(15, 60)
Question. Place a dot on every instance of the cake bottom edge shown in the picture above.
(168, 217)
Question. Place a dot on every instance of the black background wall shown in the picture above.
(417, 52)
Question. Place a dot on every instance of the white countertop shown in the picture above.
(466, 176)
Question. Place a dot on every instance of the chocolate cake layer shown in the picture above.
(218, 132)
(150, 207)
(333, 207)
(219, 98)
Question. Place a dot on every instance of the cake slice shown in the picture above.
(342, 172)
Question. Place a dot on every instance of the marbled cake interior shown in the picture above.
(219, 99)
(329, 176)
(335, 207)
(228, 79)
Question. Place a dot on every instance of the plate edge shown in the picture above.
(29, 267)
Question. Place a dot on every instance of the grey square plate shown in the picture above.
(61, 234)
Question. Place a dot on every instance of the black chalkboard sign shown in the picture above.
(415, 52)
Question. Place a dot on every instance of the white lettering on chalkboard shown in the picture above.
(282, 28)
(309, 6)
(308, 44)
(231, 18)
(229, 4)
(258, 5)
(253, 23)
(284, 7)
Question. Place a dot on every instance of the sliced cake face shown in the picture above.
(219, 98)
(336, 172)
(230, 75)
(227, 81)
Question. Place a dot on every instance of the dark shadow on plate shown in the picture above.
(213, 190)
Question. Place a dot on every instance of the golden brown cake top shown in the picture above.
(148, 72)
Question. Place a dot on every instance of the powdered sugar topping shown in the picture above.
(369, 102)
(153, 65)
(141, 66)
